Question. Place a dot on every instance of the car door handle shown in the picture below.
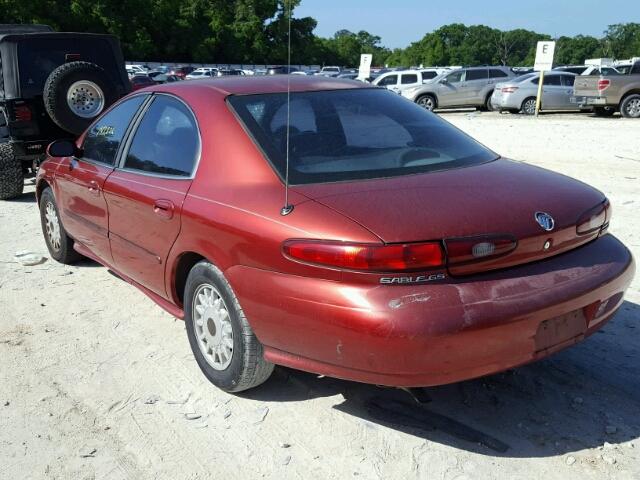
(94, 188)
(163, 208)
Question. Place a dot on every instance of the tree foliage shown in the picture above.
(255, 31)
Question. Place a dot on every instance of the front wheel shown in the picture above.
(630, 106)
(225, 347)
(427, 102)
(59, 243)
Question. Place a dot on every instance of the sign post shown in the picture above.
(364, 71)
(544, 61)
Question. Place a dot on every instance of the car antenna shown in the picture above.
(288, 208)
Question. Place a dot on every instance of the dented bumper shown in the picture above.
(431, 334)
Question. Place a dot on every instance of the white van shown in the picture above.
(404, 79)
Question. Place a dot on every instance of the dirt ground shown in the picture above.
(98, 382)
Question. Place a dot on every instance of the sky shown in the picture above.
(400, 22)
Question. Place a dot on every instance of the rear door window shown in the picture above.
(103, 140)
(166, 141)
(568, 80)
(476, 75)
(409, 79)
(496, 73)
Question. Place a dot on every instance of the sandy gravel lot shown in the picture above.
(98, 382)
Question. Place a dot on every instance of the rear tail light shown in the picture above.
(509, 89)
(479, 248)
(22, 113)
(603, 84)
(593, 219)
(366, 257)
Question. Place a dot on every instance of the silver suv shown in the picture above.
(465, 87)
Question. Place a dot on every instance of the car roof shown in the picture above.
(251, 85)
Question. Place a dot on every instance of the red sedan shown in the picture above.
(404, 253)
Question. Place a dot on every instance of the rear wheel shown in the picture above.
(59, 244)
(427, 102)
(604, 111)
(11, 174)
(630, 106)
(529, 106)
(225, 347)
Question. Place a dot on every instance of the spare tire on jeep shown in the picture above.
(76, 93)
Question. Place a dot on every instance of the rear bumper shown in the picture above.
(435, 334)
(590, 100)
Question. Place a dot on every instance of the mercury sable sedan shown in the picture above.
(404, 253)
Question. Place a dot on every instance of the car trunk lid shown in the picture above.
(496, 198)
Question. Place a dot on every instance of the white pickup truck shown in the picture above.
(611, 93)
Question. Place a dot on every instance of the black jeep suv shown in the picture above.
(52, 85)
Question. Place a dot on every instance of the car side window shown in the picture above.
(456, 77)
(103, 139)
(553, 80)
(390, 80)
(568, 80)
(495, 73)
(166, 141)
(409, 79)
(428, 75)
(480, 74)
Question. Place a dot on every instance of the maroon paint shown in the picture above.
(521, 307)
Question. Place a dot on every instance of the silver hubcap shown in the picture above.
(426, 102)
(85, 99)
(52, 226)
(633, 108)
(212, 325)
(529, 107)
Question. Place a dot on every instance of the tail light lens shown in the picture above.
(366, 257)
(603, 84)
(509, 89)
(22, 113)
(594, 219)
(479, 248)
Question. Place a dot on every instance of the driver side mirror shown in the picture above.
(444, 81)
(63, 148)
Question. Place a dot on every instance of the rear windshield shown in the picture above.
(353, 134)
(38, 57)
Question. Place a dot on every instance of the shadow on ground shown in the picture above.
(26, 197)
(577, 399)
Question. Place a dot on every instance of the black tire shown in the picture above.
(630, 106)
(526, 106)
(62, 252)
(427, 102)
(63, 81)
(604, 111)
(11, 173)
(247, 367)
(488, 106)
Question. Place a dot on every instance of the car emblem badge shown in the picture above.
(545, 220)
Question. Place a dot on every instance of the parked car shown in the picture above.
(330, 71)
(465, 87)
(52, 85)
(608, 94)
(166, 78)
(141, 81)
(181, 72)
(203, 72)
(135, 69)
(520, 93)
(408, 254)
(398, 81)
(577, 69)
(280, 70)
(229, 72)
